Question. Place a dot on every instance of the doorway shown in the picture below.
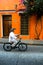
(7, 24)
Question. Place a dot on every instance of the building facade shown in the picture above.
(12, 16)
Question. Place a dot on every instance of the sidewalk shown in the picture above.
(2, 40)
(30, 42)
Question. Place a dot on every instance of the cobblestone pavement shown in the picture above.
(33, 56)
(21, 58)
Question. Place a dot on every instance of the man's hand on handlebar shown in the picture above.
(19, 36)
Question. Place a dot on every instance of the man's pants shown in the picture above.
(15, 42)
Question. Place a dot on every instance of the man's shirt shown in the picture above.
(12, 37)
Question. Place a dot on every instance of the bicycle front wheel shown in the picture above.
(22, 47)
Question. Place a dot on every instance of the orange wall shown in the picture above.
(32, 23)
(9, 4)
(16, 23)
(0, 29)
(33, 20)
(41, 35)
(0, 26)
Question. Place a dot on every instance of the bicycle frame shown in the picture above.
(17, 44)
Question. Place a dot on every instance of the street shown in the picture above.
(33, 56)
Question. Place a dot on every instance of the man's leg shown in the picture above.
(14, 43)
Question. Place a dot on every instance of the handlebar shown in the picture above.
(19, 36)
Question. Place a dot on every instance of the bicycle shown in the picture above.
(20, 45)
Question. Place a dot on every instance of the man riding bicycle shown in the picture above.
(13, 38)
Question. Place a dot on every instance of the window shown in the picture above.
(24, 24)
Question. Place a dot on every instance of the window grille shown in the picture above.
(24, 25)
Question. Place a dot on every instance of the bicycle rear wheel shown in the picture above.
(7, 47)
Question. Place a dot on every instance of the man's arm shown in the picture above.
(17, 35)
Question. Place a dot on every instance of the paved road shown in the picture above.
(33, 56)
(21, 58)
